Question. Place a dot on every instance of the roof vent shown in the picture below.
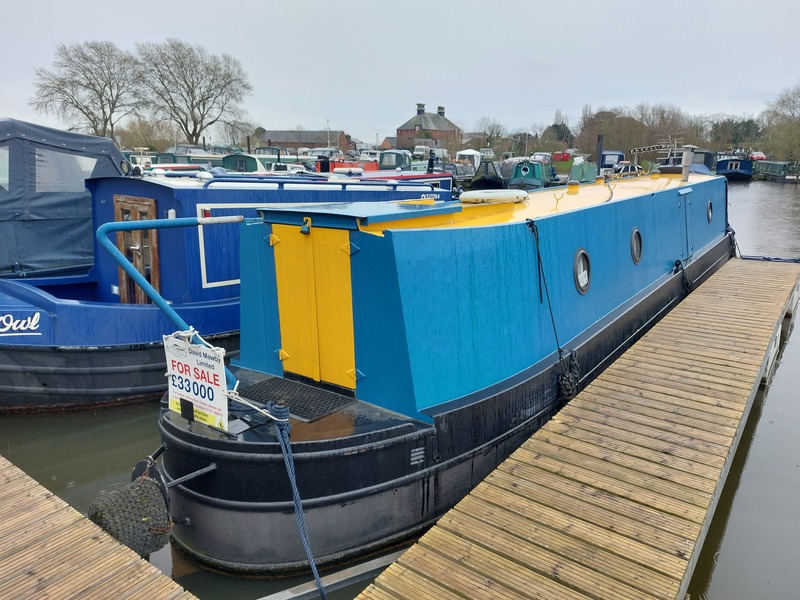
(420, 109)
(440, 110)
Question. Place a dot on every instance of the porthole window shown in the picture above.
(582, 270)
(710, 212)
(636, 245)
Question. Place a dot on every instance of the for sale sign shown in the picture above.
(196, 374)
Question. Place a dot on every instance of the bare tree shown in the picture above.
(141, 132)
(782, 124)
(491, 130)
(235, 133)
(188, 86)
(90, 86)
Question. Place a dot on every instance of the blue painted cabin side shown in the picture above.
(444, 317)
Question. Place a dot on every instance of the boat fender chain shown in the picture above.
(735, 250)
(569, 377)
(688, 284)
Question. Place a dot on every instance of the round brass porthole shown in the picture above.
(710, 212)
(582, 270)
(636, 245)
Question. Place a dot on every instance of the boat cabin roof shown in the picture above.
(489, 207)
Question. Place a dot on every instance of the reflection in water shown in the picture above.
(753, 546)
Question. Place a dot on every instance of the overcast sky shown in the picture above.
(363, 66)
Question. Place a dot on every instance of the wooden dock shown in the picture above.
(49, 550)
(614, 496)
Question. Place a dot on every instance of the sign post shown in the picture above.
(196, 374)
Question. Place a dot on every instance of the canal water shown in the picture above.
(753, 547)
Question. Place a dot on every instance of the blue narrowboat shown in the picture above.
(415, 346)
(734, 168)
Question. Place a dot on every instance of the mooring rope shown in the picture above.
(282, 430)
(569, 376)
(738, 252)
(280, 416)
(543, 282)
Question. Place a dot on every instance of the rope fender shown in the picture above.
(136, 515)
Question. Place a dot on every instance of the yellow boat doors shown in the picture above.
(315, 304)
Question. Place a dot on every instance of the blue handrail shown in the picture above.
(282, 181)
(108, 228)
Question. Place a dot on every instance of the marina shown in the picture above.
(72, 484)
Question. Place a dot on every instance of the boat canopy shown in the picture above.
(45, 209)
(472, 157)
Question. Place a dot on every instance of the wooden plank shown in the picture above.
(577, 566)
(673, 415)
(714, 453)
(444, 571)
(626, 457)
(603, 535)
(518, 529)
(608, 440)
(509, 573)
(49, 550)
(613, 497)
(626, 523)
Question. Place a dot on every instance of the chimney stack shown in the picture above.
(440, 110)
(420, 109)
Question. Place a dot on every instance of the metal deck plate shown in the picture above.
(306, 403)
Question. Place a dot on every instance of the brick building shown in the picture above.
(432, 129)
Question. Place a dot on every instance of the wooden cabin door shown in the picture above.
(315, 304)
(139, 247)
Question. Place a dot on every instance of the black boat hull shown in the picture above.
(41, 378)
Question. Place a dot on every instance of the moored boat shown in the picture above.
(528, 174)
(75, 330)
(416, 360)
(734, 168)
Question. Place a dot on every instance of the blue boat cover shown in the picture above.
(45, 210)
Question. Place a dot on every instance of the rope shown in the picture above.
(771, 259)
(569, 376)
(282, 430)
(543, 282)
(737, 252)
(190, 334)
(280, 416)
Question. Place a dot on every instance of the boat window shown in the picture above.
(62, 172)
(710, 212)
(4, 167)
(636, 245)
(582, 270)
(389, 160)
